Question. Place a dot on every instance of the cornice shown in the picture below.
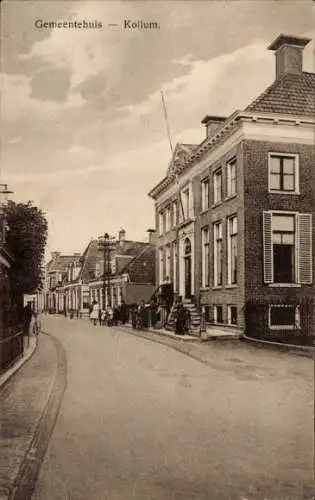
(228, 127)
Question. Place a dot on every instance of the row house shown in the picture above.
(234, 213)
(56, 276)
(130, 272)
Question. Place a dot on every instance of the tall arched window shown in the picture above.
(187, 246)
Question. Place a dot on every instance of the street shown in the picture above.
(140, 420)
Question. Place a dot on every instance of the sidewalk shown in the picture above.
(23, 398)
(209, 334)
(29, 348)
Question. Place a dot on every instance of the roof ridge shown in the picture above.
(135, 257)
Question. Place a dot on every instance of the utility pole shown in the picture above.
(3, 200)
(106, 245)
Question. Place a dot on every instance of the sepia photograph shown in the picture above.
(157, 227)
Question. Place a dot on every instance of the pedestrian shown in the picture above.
(95, 312)
(181, 320)
(142, 315)
(109, 315)
(36, 325)
(27, 318)
(134, 316)
(115, 316)
(103, 317)
(153, 312)
(124, 313)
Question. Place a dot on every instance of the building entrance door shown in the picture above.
(187, 277)
(187, 260)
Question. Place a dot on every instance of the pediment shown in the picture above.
(180, 153)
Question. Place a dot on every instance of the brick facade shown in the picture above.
(280, 120)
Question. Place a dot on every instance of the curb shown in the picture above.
(300, 350)
(25, 482)
(8, 374)
(161, 333)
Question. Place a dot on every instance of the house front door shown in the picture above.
(187, 277)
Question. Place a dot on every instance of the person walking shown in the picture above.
(109, 315)
(95, 312)
(27, 319)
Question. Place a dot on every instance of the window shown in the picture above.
(205, 257)
(185, 202)
(174, 213)
(168, 261)
(161, 265)
(287, 240)
(231, 178)
(232, 315)
(232, 250)
(97, 269)
(283, 173)
(284, 317)
(217, 186)
(161, 222)
(218, 314)
(283, 240)
(204, 195)
(168, 218)
(218, 256)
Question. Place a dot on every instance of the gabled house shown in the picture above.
(239, 245)
(57, 273)
(130, 270)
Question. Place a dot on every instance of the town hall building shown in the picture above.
(234, 213)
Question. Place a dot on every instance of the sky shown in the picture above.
(83, 133)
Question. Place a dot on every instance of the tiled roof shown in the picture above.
(94, 255)
(290, 95)
(141, 269)
(61, 263)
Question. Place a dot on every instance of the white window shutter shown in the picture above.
(304, 231)
(267, 242)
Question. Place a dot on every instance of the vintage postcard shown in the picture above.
(157, 299)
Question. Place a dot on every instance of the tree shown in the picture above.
(26, 239)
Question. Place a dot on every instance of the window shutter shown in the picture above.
(267, 242)
(191, 203)
(304, 231)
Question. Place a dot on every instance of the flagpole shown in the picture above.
(171, 148)
(167, 124)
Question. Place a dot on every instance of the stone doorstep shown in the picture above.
(221, 333)
(172, 335)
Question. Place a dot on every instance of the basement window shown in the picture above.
(218, 314)
(284, 317)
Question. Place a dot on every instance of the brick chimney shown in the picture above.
(121, 236)
(289, 54)
(55, 255)
(152, 236)
(212, 124)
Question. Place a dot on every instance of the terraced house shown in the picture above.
(73, 282)
(234, 213)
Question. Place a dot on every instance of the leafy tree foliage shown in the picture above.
(26, 239)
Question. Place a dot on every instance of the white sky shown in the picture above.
(83, 131)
